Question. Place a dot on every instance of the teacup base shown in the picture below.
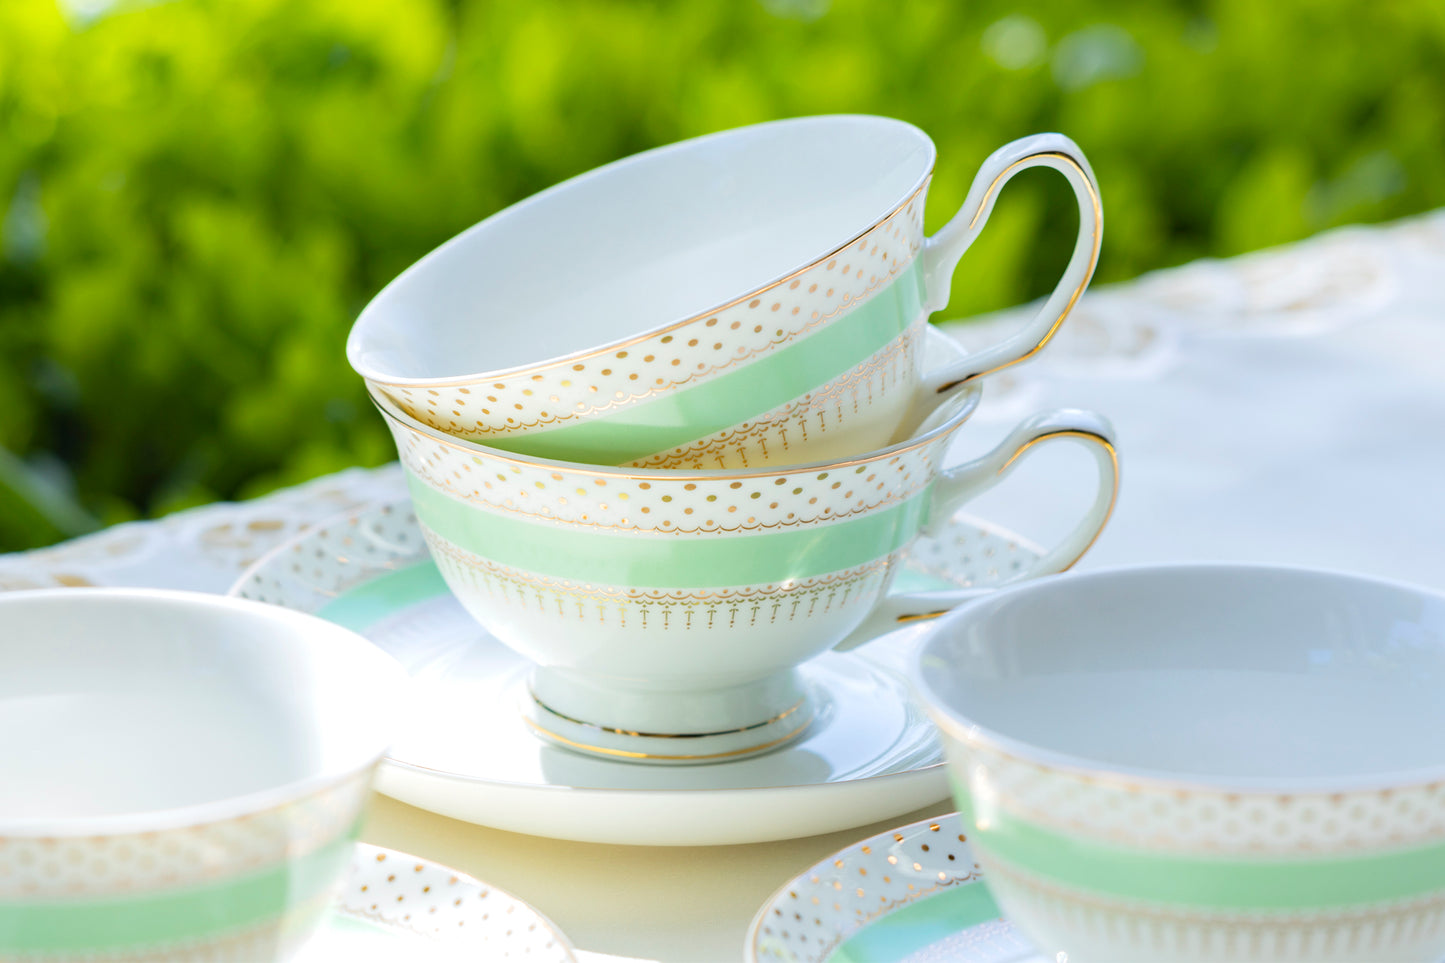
(668, 728)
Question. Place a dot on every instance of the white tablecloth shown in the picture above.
(1287, 406)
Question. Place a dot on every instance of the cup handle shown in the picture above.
(971, 479)
(942, 251)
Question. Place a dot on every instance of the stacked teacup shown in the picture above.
(669, 426)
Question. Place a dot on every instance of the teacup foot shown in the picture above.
(677, 744)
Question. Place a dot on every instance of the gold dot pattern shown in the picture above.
(431, 901)
(811, 916)
(968, 552)
(665, 505)
(701, 348)
(336, 556)
(1193, 820)
(63, 867)
(1410, 929)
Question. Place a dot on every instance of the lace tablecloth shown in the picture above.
(1285, 406)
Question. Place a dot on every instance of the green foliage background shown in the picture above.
(199, 195)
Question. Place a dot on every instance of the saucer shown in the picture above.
(913, 895)
(398, 907)
(467, 751)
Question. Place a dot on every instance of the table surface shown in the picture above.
(1286, 406)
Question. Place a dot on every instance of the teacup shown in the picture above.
(667, 610)
(753, 297)
(183, 774)
(1202, 762)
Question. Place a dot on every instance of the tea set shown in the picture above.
(681, 559)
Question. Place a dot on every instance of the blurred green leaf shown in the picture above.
(197, 196)
(34, 511)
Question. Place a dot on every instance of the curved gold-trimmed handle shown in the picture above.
(944, 249)
(966, 482)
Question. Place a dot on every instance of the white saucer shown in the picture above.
(468, 753)
(912, 895)
(397, 907)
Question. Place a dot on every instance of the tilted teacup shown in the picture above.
(1202, 762)
(667, 610)
(181, 775)
(753, 297)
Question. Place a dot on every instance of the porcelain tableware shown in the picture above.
(183, 774)
(756, 296)
(909, 895)
(869, 755)
(1202, 762)
(393, 907)
(667, 610)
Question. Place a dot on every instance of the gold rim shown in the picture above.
(1083, 284)
(1108, 446)
(902, 833)
(1104, 443)
(1161, 785)
(921, 616)
(667, 735)
(10, 834)
(663, 757)
(548, 926)
(666, 329)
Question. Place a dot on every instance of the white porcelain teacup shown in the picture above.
(753, 297)
(181, 775)
(667, 610)
(1202, 762)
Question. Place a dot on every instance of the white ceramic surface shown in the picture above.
(395, 907)
(753, 296)
(1356, 309)
(910, 895)
(469, 755)
(666, 611)
(183, 773)
(1182, 762)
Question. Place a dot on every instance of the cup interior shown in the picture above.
(643, 242)
(1238, 675)
(121, 704)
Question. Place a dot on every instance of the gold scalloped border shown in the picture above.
(570, 589)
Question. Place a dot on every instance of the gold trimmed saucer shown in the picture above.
(397, 907)
(867, 754)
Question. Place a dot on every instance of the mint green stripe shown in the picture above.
(1219, 882)
(73, 926)
(362, 607)
(661, 561)
(918, 925)
(697, 411)
(383, 596)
